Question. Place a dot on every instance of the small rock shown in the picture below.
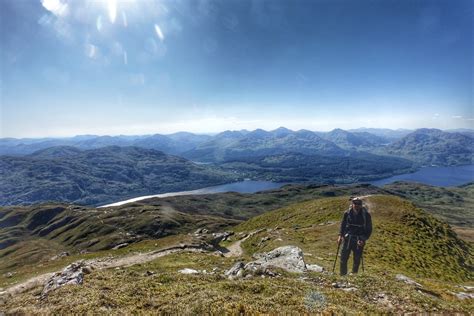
(407, 280)
(188, 271)
(8, 274)
(87, 269)
(119, 246)
(58, 256)
(218, 237)
(464, 295)
(201, 231)
(467, 288)
(349, 289)
(236, 271)
(314, 268)
(149, 273)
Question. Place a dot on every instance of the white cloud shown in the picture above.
(57, 7)
(457, 117)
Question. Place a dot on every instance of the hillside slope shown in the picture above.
(434, 147)
(99, 176)
(406, 240)
(454, 205)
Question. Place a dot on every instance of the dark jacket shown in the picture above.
(356, 224)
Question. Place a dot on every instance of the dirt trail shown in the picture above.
(102, 263)
(235, 250)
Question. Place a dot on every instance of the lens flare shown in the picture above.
(112, 9)
(159, 33)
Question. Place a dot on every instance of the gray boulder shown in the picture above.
(72, 274)
(288, 258)
(218, 237)
(237, 271)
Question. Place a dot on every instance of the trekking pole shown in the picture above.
(337, 252)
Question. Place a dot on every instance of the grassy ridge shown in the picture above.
(405, 238)
(398, 245)
(453, 205)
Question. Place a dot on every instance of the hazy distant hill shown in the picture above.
(389, 135)
(433, 146)
(258, 143)
(297, 167)
(214, 149)
(99, 176)
(172, 144)
(353, 140)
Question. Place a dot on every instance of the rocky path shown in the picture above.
(103, 263)
(235, 249)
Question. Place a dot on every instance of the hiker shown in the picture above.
(356, 227)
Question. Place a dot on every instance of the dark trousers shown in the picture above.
(350, 244)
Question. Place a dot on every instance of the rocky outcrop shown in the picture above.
(288, 258)
(72, 274)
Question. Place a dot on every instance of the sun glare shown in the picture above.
(112, 10)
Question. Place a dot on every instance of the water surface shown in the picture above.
(437, 176)
(247, 186)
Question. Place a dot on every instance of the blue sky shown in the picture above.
(142, 67)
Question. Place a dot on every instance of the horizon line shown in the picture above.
(239, 130)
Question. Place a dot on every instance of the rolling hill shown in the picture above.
(296, 167)
(453, 205)
(98, 176)
(434, 147)
(406, 240)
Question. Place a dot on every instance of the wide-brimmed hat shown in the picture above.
(356, 201)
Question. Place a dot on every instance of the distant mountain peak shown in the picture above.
(281, 131)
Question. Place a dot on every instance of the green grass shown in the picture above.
(131, 290)
(454, 205)
(405, 240)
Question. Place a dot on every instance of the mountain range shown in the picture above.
(90, 172)
(423, 145)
